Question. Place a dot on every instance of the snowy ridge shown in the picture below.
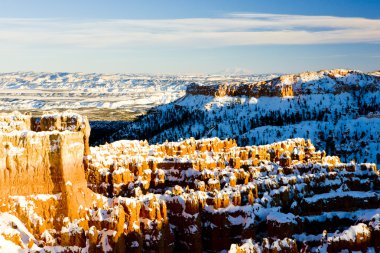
(343, 119)
(326, 81)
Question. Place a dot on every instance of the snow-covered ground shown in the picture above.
(125, 92)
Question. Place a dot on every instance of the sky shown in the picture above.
(189, 37)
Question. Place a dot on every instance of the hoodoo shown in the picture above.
(60, 195)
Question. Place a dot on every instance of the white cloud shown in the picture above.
(234, 29)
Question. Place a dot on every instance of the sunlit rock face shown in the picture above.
(40, 155)
(42, 169)
(40, 162)
(209, 195)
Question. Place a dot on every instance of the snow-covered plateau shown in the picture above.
(96, 94)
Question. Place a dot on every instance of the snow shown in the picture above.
(247, 246)
(282, 217)
(359, 215)
(14, 151)
(72, 228)
(9, 246)
(375, 221)
(305, 237)
(29, 207)
(61, 249)
(329, 110)
(351, 233)
(48, 238)
(12, 226)
(129, 92)
(135, 244)
(334, 194)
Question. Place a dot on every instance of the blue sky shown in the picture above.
(189, 36)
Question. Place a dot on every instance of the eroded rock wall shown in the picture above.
(45, 156)
(36, 163)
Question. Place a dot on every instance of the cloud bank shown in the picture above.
(235, 29)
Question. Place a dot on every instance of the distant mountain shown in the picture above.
(337, 109)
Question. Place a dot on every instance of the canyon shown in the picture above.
(210, 195)
(239, 164)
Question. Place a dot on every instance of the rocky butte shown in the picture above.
(210, 195)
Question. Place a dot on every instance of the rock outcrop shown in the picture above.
(45, 156)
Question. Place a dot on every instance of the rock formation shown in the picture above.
(36, 162)
(57, 194)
